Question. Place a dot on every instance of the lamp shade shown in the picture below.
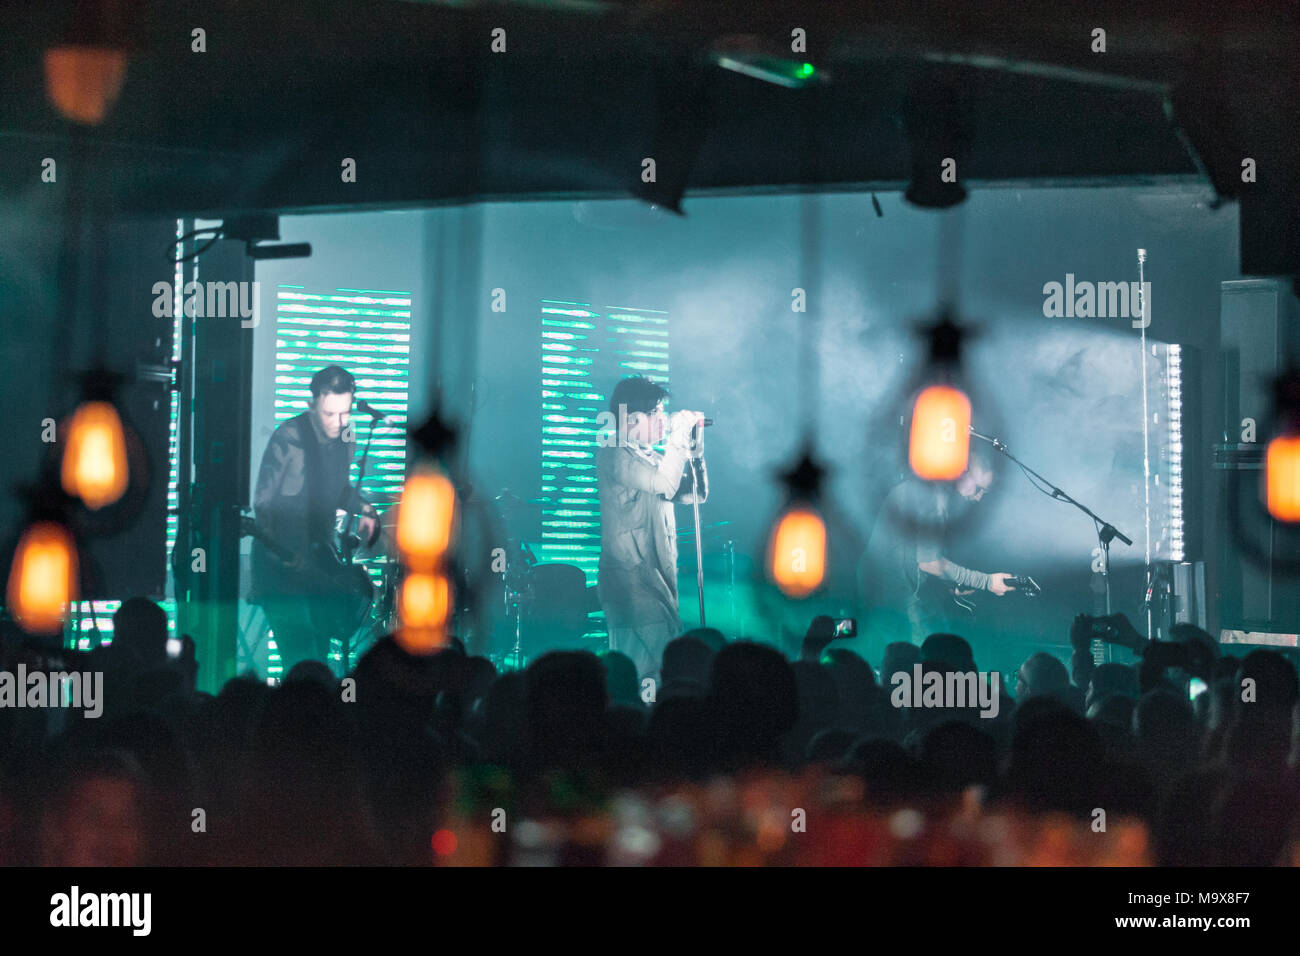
(939, 438)
(95, 461)
(424, 603)
(426, 518)
(796, 558)
(1282, 478)
(43, 577)
(83, 82)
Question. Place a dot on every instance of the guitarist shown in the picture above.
(302, 482)
(911, 578)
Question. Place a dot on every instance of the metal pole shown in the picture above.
(699, 551)
(1146, 439)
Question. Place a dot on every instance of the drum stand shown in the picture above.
(516, 587)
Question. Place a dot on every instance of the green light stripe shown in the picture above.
(643, 366)
(560, 324)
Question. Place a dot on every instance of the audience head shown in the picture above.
(752, 689)
(711, 636)
(1042, 675)
(686, 666)
(899, 656)
(948, 649)
(140, 626)
(621, 679)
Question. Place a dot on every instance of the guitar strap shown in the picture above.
(320, 513)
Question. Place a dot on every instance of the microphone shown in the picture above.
(707, 422)
(376, 414)
(995, 442)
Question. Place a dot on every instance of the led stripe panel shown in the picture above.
(584, 352)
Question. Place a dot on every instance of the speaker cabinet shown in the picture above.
(1258, 321)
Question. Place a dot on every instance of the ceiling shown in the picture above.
(585, 90)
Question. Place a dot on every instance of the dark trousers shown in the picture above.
(291, 627)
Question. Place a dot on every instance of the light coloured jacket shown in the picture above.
(638, 529)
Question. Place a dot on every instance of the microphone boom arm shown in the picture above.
(1106, 532)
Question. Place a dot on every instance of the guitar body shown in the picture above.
(945, 599)
(342, 597)
(338, 593)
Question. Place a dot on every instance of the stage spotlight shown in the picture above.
(766, 58)
(43, 577)
(792, 74)
(255, 229)
(796, 551)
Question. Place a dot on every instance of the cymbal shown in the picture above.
(509, 501)
(704, 526)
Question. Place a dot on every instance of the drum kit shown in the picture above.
(512, 607)
(530, 607)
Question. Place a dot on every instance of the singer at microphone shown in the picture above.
(638, 487)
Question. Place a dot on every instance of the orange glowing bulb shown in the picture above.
(83, 82)
(424, 602)
(939, 445)
(94, 463)
(426, 518)
(43, 579)
(1282, 470)
(797, 557)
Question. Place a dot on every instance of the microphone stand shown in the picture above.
(361, 477)
(695, 503)
(1106, 532)
(352, 531)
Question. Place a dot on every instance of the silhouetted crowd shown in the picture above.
(316, 771)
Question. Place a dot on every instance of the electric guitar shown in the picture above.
(946, 596)
(339, 593)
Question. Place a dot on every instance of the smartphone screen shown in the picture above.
(1196, 687)
(846, 627)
